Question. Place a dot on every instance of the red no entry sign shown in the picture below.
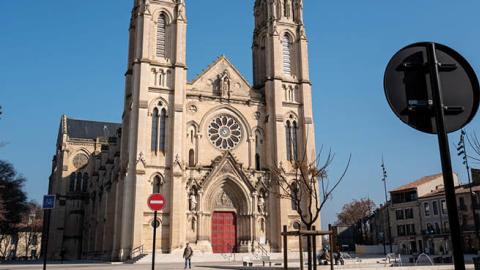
(156, 202)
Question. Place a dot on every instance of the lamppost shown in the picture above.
(384, 180)
(462, 152)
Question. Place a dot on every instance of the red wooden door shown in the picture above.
(224, 232)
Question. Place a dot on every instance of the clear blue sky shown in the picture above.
(69, 57)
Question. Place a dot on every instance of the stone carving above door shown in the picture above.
(223, 201)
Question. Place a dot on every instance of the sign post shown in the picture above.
(448, 181)
(433, 89)
(155, 202)
(48, 205)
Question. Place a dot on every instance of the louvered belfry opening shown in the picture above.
(161, 35)
(287, 54)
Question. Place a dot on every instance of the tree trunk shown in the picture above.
(309, 248)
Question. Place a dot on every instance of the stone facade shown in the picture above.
(419, 217)
(405, 212)
(434, 217)
(206, 145)
(24, 246)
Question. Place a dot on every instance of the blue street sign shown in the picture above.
(48, 202)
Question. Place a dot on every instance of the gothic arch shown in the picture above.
(156, 14)
(225, 108)
(155, 103)
(82, 150)
(291, 35)
(194, 124)
(291, 113)
(152, 177)
(237, 191)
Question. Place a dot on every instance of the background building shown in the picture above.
(206, 145)
(25, 242)
(419, 216)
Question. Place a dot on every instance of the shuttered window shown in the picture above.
(161, 35)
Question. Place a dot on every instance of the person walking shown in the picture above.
(187, 255)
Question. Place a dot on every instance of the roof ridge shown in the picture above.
(419, 181)
(215, 62)
(92, 121)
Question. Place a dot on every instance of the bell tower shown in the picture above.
(280, 67)
(154, 107)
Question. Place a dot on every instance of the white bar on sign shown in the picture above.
(156, 202)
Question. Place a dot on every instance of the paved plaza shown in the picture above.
(211, 266)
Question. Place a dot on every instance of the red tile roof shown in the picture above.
(418, 182)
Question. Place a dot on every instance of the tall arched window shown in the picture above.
(161, 36)
(295, 140)
(73, 177)
(258, 149)
(287, 54)
(85, 182)
(288, 136)
(293, 10)
(155, 118)
(286, 8)
(78, 183)
(157, 184)
(294, 200)
(191, 158)
(163, 121)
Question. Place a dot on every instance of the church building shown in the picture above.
(207, 145)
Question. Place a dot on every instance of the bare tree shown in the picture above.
(3, 211)
(355, 214)
(355, 211)
(31, 226)
(474, 143)
(1, 143)
(308, 186)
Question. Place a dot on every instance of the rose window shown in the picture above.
(224, 132)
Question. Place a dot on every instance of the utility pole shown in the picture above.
(389, 229)
(462, 152)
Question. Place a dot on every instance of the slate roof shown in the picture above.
(84, 129)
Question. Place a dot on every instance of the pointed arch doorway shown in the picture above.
(224, 232)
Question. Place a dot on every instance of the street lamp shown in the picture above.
(384, 179)
(462, 152)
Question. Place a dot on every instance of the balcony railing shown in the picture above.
(435, 232)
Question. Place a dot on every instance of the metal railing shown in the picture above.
(263, 250)
(231, 255)
(136, 253)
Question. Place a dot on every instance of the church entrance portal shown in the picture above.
(224, 232)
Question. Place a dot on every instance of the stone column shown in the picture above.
(251, 152)
(253, 217)
(200, 215)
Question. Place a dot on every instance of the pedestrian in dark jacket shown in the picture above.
(187, 255)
